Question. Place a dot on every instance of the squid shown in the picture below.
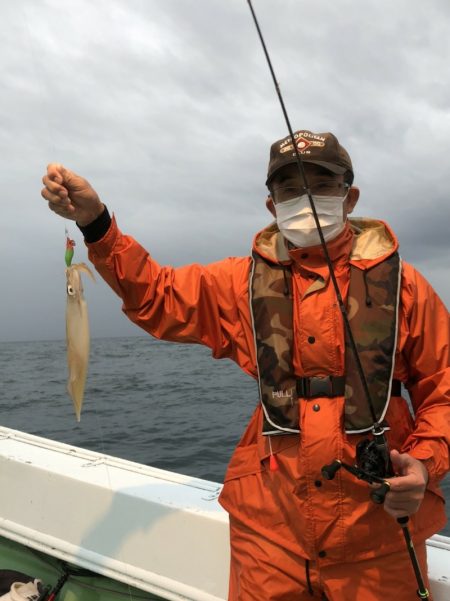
(77, 334)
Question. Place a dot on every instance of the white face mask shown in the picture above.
(296, 220)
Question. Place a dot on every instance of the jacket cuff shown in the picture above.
(95, 231)
(430, 453)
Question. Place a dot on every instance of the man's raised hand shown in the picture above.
(70, 195)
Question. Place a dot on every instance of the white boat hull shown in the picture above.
(158, 531)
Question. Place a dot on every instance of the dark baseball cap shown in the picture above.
(319, 149)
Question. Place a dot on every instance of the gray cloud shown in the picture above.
(169, 110)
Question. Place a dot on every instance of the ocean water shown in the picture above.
(167, 405)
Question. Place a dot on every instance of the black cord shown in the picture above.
(76, 572)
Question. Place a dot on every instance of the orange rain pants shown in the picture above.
(256, 575)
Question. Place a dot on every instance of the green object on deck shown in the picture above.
(84, 585)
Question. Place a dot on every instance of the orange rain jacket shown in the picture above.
(293, 507)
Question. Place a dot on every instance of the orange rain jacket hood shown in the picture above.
(293, 507)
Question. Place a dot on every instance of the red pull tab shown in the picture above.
(273, 464)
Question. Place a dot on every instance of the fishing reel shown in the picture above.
(372, 465)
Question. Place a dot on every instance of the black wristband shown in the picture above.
(94, 231)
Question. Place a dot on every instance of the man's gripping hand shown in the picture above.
(70, 195)
(408, 488)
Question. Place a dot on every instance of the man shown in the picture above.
(295, 535)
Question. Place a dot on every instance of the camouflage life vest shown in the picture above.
(374, 328)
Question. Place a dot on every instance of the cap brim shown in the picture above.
(339, 170)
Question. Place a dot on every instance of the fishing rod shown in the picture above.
(373, 459)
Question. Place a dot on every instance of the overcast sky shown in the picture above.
(167, 107)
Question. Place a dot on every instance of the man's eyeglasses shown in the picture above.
(325, 188)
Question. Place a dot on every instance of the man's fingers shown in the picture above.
(59, 175)
(403, 497)
(55, 172)
(400, 505)
(54, 187)
(397, 513)
(74, 182)
(407, 489)
(401, 509)
(63, 211)
(54, 198)
(400, 461)
(403, 483)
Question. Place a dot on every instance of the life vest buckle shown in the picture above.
(321, 386)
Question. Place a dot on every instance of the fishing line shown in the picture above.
(301, 169)
(378, 431)
(42, 78)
